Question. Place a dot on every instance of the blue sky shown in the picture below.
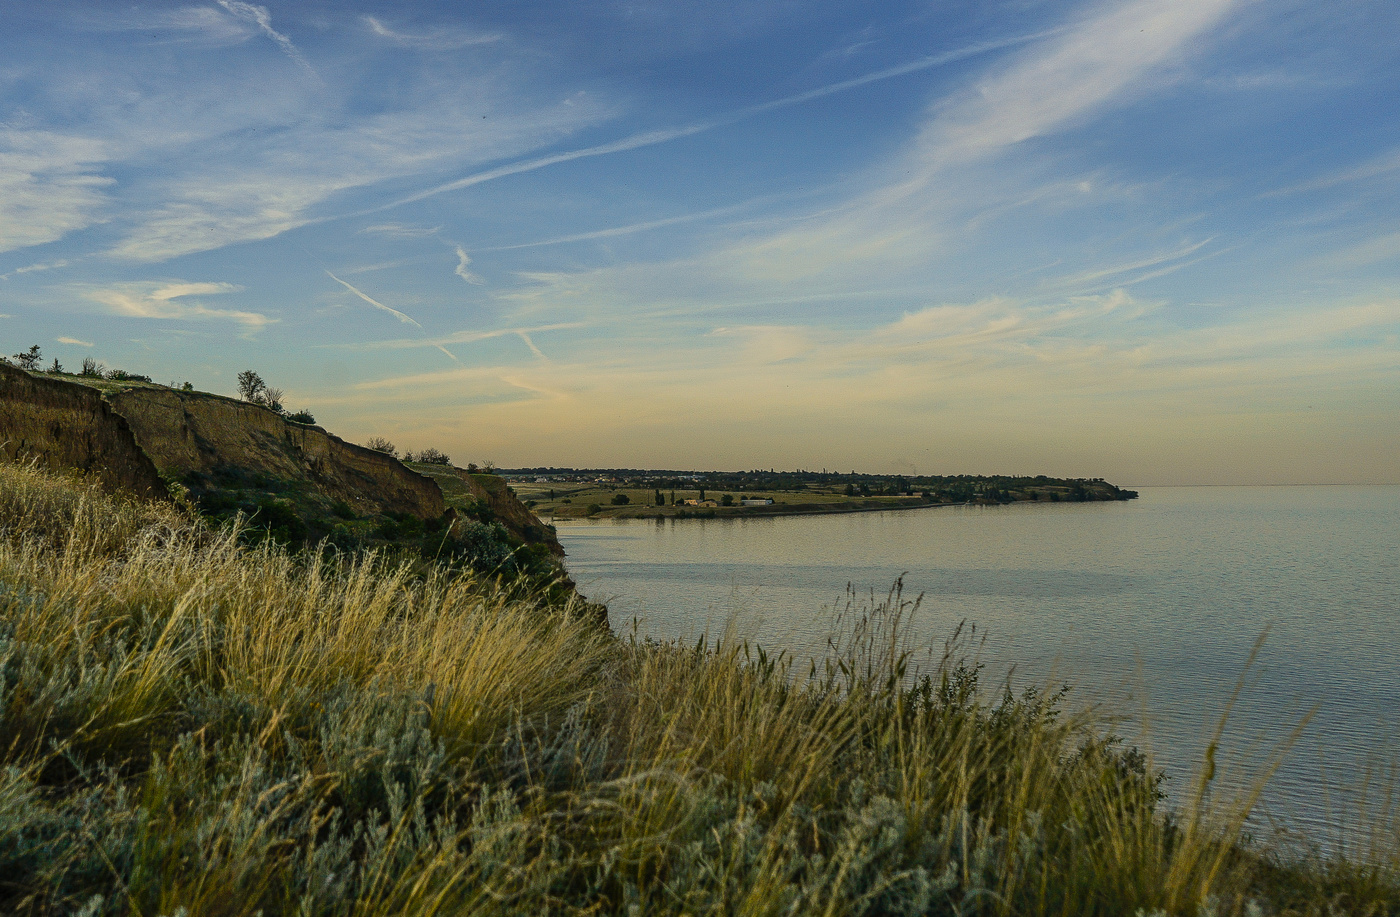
(1154, 242)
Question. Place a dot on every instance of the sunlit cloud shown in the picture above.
(176, 300)
(36, 268)
(75, 342)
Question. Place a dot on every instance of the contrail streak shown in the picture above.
(406, 319)
(663, 135)
(263, 19)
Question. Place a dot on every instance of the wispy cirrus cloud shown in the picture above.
(178, 300)
(259, 16)
(203, 24)
(435, 39)
(401, 230)
(75, 342)
(279, 186)
(36, 268)
(463, 269)
(656, 136)
(50, 185)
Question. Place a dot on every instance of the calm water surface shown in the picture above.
(1151, 606)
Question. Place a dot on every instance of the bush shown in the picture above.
(121, 375)
(303, 417)
(620, 500)
(592, 509)
(93, 369)
(380, 444)
(431, 456)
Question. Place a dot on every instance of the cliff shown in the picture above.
(62, 425)
(232, 456)
(209, 441)
(470, 492)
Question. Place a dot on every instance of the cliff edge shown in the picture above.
(298, 480)
(62, 425)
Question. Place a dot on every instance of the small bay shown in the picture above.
(1150, 607)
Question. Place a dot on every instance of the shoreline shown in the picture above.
(750, 512)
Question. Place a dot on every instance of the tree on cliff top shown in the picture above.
(28, 359)
(250, 385)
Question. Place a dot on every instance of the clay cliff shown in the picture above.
(210, 440)
(62, 425)
(234, 456)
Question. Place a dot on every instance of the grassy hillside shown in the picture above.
(191, 725)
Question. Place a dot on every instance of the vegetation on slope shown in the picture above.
(193, 723)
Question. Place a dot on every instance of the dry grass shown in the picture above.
(191, 723)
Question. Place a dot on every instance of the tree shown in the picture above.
(271, 398)
(56, 367)
(850, 490)
(93, 369)
(621, 500)
(380, 444)
(726, 500)
(250, 385)
(431, 456)
(660, 500)
(29, 359)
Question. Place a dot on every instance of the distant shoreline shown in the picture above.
(749, 512)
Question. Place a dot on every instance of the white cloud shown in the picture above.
(402, 230)
(207, 213)
(275, 184)
(75, 342)
(406, 319)
(259, 16)
(463, 260)
(49, 186)
(1095, 63)
(189, 23)
(166, 300)
(35, 268)
(437, 39)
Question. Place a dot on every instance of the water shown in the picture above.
(1151, 607)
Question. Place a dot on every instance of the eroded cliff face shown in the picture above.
(196, 436)
(516, 516)
(234, 457)
(63, 425)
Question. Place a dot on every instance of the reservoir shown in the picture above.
(1150, 608)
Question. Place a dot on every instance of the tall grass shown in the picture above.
(189, 723)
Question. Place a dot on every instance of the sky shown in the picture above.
(1153, 242)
